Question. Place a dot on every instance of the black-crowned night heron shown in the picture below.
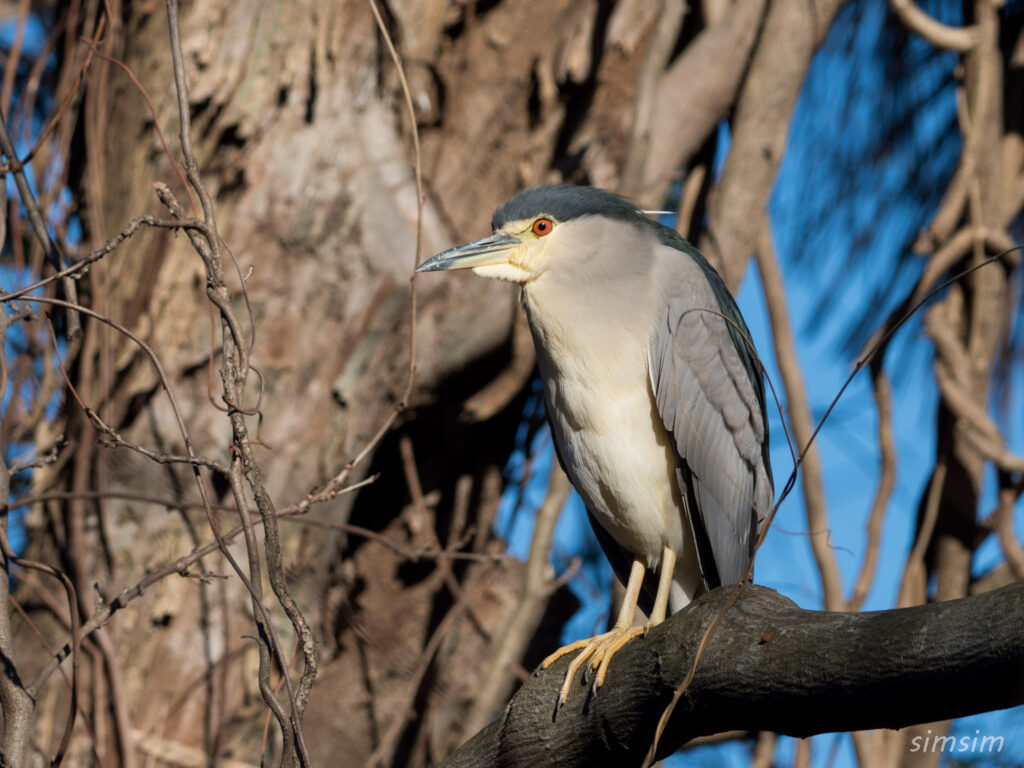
(653, 391)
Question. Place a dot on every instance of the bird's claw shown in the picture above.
(595, 654)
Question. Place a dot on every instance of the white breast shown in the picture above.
(605, 422)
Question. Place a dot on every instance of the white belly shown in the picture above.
(620, 461)
(609, 433)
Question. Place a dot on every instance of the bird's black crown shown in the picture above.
(564, 202)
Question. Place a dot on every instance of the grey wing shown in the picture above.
(710, 396)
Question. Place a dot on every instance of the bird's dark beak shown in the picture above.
(494, 249)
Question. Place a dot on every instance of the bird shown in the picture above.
(653, 391)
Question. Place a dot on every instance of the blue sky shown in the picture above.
(834, 214)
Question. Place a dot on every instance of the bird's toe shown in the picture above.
(594, 655)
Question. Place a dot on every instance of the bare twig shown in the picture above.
(118, 699)
(523, 621)
(1009, 492)
(800, 416)
(886, 482)
(35, 217)
(260, 609)
(156, 120)
(28, 576)
(255, 570)
(421, 518)
(72, 598)
(234, 372)
(412, 555)
(81, 267)
(104, 611)
(940, 35)
(385, 749)
(36, 463)
(17, 703)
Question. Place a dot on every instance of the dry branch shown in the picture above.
(38, 222)
(882, 391)
(787, 41)
(935, 32)
(523, 621)
(800, 416)
(770, 666)
(17, 704)
(696, 93)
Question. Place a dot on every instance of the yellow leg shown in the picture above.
(668, 569)
(600, 649)
(633, 587)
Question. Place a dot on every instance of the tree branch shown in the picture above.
(770, 666)
(799, 408)
(522, 624)
(760, 127)
(940, 35)
(694, 94)
(35, 218)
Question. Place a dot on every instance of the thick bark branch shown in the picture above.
(760, 128)
(697, 92)
(770, 666)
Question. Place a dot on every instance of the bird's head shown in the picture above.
(538, 229)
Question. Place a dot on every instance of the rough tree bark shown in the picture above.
(768, 666)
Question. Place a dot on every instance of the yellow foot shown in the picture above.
(598, 650)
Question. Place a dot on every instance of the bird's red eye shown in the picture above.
(542, 227)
